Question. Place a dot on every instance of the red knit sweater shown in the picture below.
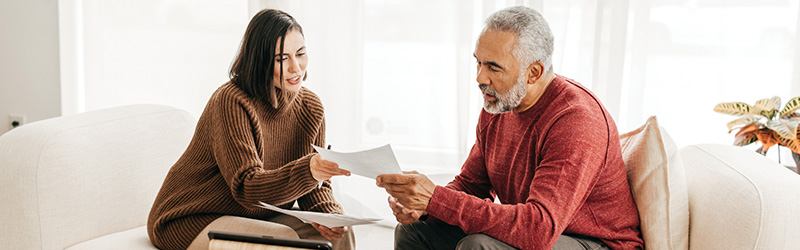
(556, 168)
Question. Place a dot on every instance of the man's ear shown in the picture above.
(535, 71)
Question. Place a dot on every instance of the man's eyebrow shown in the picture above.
(490, 63)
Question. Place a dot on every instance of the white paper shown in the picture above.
(368, 163)
(328, 220)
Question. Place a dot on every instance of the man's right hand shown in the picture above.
(402, 214)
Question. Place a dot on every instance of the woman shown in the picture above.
(253, 143)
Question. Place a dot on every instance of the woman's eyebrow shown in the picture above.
(286, 54)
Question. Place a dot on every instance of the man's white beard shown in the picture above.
(507, 101)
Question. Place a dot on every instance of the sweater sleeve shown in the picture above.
(473, 179)
(236, 153)
(572, 155)
(320, 199)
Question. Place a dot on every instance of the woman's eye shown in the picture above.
(281, 59)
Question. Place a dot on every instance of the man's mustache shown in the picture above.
(486, 89)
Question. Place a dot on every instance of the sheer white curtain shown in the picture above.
(676, 59)
(120, 52)
(401, 72)
(398, 72)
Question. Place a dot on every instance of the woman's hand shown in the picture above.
(322, 170)
(330, 233)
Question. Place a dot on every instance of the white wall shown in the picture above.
(29, 60)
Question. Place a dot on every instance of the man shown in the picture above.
(546, 148)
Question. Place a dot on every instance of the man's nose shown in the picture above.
(482, 78)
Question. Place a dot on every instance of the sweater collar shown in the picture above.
(285, 99)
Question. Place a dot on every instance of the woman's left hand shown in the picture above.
(322, 170)
(330, 233)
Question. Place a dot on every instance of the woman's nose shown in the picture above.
(294, 67)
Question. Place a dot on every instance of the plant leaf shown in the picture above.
(747, 129)
(747, 120)
(734, 108)
(745, 139)
(765, 107)
(791, 106)
(784, 128)
(791, 144)
(777, 101)
(767, 138)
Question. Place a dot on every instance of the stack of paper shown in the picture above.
(328, 220)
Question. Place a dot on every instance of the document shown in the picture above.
(328, 220)
(368, 163)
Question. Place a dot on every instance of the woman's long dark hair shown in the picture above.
(252, 71)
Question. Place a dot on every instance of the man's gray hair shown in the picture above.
(534, 38)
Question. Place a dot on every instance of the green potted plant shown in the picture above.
(763, 122)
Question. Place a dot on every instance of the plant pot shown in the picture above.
(796, 157)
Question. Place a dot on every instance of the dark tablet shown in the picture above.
(270, 240)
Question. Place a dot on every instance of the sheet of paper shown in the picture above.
(328, 220)
(368, 163)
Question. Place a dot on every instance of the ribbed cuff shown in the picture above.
(301, 171)
(439, 206)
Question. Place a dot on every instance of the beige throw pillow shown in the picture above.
(658, 183)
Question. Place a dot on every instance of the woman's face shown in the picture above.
(294, 61)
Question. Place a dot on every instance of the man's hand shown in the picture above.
(331, 234)
(322, 170)
(411, 189)
(402, 214)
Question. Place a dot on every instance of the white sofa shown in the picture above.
(87, 181)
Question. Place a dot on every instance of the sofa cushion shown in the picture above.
(133, 239)
(740, 199)
(658, 183)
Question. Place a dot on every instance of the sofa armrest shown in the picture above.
(740, 200)
(75, 178)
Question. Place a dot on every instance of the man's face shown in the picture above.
(500, 77)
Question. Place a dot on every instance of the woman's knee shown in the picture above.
(252, 226)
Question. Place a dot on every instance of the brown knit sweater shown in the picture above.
(243, 151)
